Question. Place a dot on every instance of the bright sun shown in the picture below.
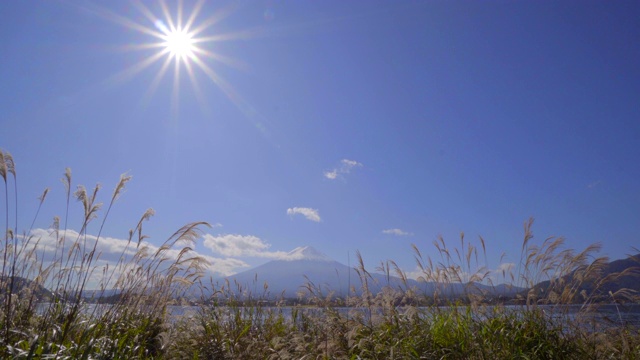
(180, 44)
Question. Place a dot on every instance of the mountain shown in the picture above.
(307, 253)
(289, 277)
(23, 286)
(621, 274)
(629, 281)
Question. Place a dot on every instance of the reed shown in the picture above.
(240, 321)
(62, 323)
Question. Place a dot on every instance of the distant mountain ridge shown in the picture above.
(288, 277)
(304, 266)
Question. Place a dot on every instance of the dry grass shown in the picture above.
(395, 323)
(66, 326)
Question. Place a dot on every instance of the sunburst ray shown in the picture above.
(182, 40)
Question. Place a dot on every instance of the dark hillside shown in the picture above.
(22, 286)
(615, 280)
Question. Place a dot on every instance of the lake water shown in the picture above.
(606, 316)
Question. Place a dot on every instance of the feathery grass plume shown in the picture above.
(74, 331)
(124, 178)
(237, 321)
(41, 200)
(11, 169)
(3, 165)
(3, 174)
(139, 253)
(458, 331)
(6, 165)
(66, 181)
(88, 203)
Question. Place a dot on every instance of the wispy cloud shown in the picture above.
(397, 232)
(241, 245)
(343, 168)
(594, 184)
(309, 213)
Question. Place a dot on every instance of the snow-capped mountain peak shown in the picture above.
(307, 253)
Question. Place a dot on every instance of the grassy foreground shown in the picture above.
(386, 325)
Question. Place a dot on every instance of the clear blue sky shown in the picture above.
(427, 117)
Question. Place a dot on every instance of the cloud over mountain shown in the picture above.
(241, 245)
(110, 250)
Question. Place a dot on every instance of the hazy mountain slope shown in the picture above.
(306, 265)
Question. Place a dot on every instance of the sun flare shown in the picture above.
(181, 40)
(179, 43)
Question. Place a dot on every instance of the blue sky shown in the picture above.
(344, 125)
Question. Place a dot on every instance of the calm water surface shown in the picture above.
(610, 315)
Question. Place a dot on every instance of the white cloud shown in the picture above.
(506, 267)
(109, 250)
(415, 274)
(504, 273)
(241, 245)
(343, 168)
(350, 163)
(235, 245)
(332, 175)
(397, 232)
(310, 214)
(225, 267)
